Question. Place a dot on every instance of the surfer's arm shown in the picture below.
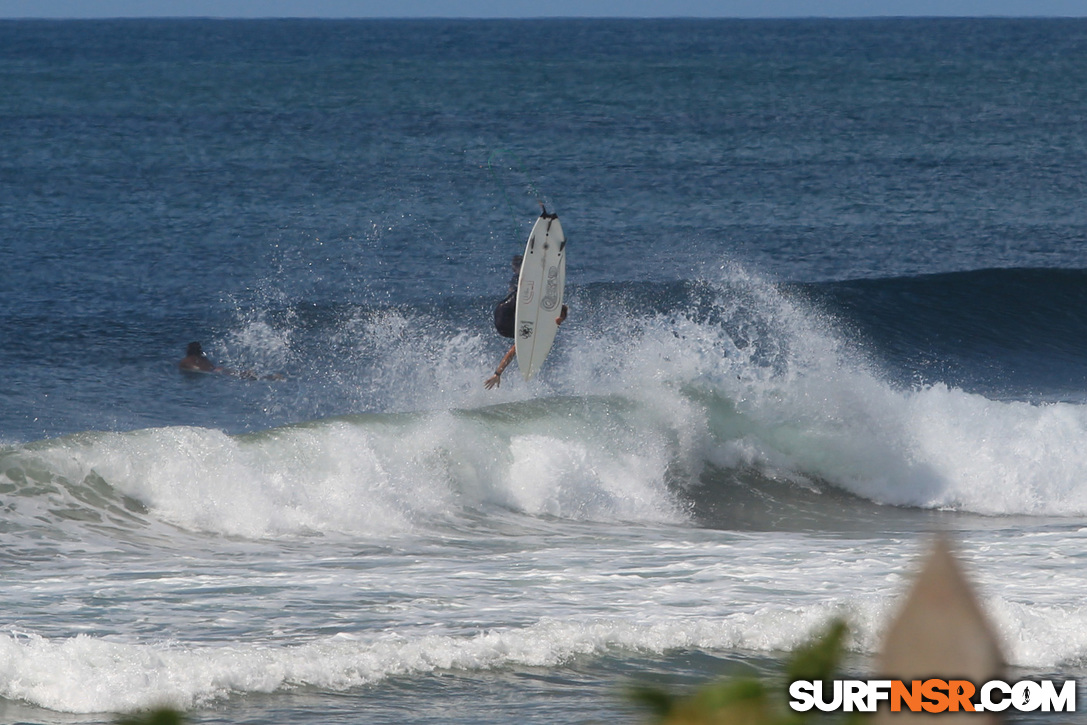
(496, 380)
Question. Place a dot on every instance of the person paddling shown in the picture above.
(196, 361)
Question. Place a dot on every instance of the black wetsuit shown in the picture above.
(505, 314)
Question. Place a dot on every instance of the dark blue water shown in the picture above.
(844, 256)
(168, 180)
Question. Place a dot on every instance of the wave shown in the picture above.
(88, 674)
(84, 674)
(1013, 331)
(365, 475)
(660, 403)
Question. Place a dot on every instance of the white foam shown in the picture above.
(85, 674)
(782, 390)
(935, 447)
(370, 476)
(568, 479)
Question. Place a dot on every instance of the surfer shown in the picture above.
(505, 316)
(196, 361)
(505, 313)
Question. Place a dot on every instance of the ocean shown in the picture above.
(827, 283)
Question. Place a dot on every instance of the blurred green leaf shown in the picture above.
(749, 701)
(162, 716)
(820, 658)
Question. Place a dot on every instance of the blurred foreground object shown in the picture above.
(940, 631)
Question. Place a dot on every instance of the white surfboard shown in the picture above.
(539, 293)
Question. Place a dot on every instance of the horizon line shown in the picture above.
(950, 16)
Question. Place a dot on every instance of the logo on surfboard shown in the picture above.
(551, 297)
(526, 330)
(528, 291)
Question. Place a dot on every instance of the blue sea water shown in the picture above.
(827, 283)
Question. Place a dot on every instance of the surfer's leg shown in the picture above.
(505, 315)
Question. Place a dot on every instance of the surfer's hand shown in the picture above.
(562, 315)
(493, 382)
